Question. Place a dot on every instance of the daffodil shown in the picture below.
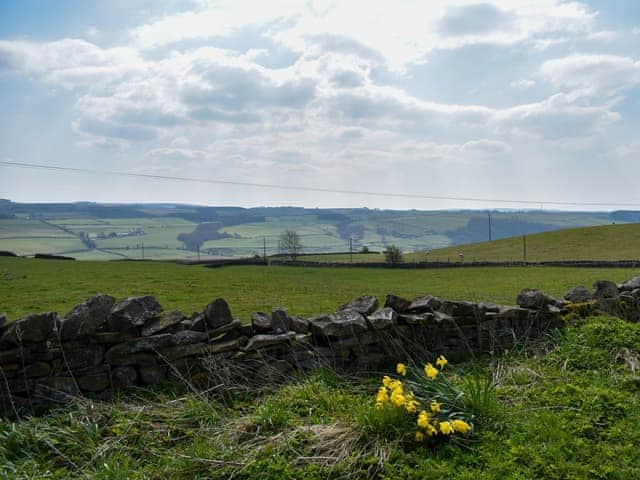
(423, 419)
(441, 362)
(386, 380)
(430, 371)
(435, 406)
(383, 395)
(419, 436)
(401, 368)
(431, 430)
(446, 428)
(461, 426)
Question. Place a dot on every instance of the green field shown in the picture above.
(29, 285)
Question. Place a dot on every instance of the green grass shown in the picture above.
(608, 242)
(568, 408)
(29, 285)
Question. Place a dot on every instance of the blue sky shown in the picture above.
(497, 99)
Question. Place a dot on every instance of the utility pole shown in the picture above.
(524, 247)
(143, 249)
(489, 215)
(264, 248)
(350, 250)
(198, 244)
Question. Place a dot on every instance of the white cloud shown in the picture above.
(523, 84)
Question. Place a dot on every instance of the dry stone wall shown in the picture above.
(103, 345)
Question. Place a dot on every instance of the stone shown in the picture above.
(427, 303)
(631, 284)
(364, 305)
(383, 318)
(198, 322)
(279, 320)
(152, 375)
(415, 318)
(143, 344)
(133, 312)
(258, 342)
(35, 370)
(123, 377)
(187, 337)
(535, 299)
(579, 294)
(138, 359)
(261, 322)
(200, 349)
(604, 289)
(36, 327)
(164, 322)
(459, 309)
(298, 325)
(399, 304)
(87, 317)
(3, 319)
(486, 307)
(110, 338)
(65, 385)
(340, 324)
(218, 313)
(87, 357)
(94, 383)
(14, 355)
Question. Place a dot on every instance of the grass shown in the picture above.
(30, 285)
(568, 408)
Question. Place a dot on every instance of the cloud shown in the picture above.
(523, 84)
(596, 73)
(473, 20)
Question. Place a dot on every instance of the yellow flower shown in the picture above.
(383, 395)
(430, 371)
(397, 395)
(431, 430)
(386, 380)
(401, 368)
(435, 407)
(461, 426)
(441, 362)
(446, 428)
(419, 436)
(423, 419)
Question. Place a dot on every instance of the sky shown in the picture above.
(500, 99)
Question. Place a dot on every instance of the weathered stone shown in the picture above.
(14, 355)
(399, 304)
(459, 309)
(94, 383)
(427, 303)
(141, 359)
(144, 344)
(152, 375)
(486, 307)
(199, 323)
(631, 284)
(383, 318)
(297, 324)
(87, 317)
(218, 313)
(133, 312)
(123, 377)
(35, 370)
(3, 319)
(66, 385)
(579, 294)
(164, 322)
(187, 337)
(535, 299)
(87, 357)
(364, 305)
(263, 341)
(261, 322)
(340, 324)
(110, 338)
(279, 320)
(604, 289)
(35, 327)
(415, 318)
(200, 349)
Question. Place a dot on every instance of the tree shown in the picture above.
(393, 254)
(290, 244)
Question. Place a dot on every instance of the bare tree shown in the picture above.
(290, 244)
(393, 254)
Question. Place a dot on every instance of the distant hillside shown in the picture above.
(609, 242)
(87, 231)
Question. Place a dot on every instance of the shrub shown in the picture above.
(393, 254)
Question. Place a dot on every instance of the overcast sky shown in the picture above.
(514, 99)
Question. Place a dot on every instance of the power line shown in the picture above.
(315, 189)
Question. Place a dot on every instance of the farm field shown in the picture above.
(30, 285)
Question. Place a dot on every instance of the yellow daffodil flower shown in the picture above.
(441, 362)
(419, 436)
(430, 371)
(461, 426)
(401, 368)
(431, 430)
(446, 428)
(386, 380)
(423, 419)
(435, 407)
